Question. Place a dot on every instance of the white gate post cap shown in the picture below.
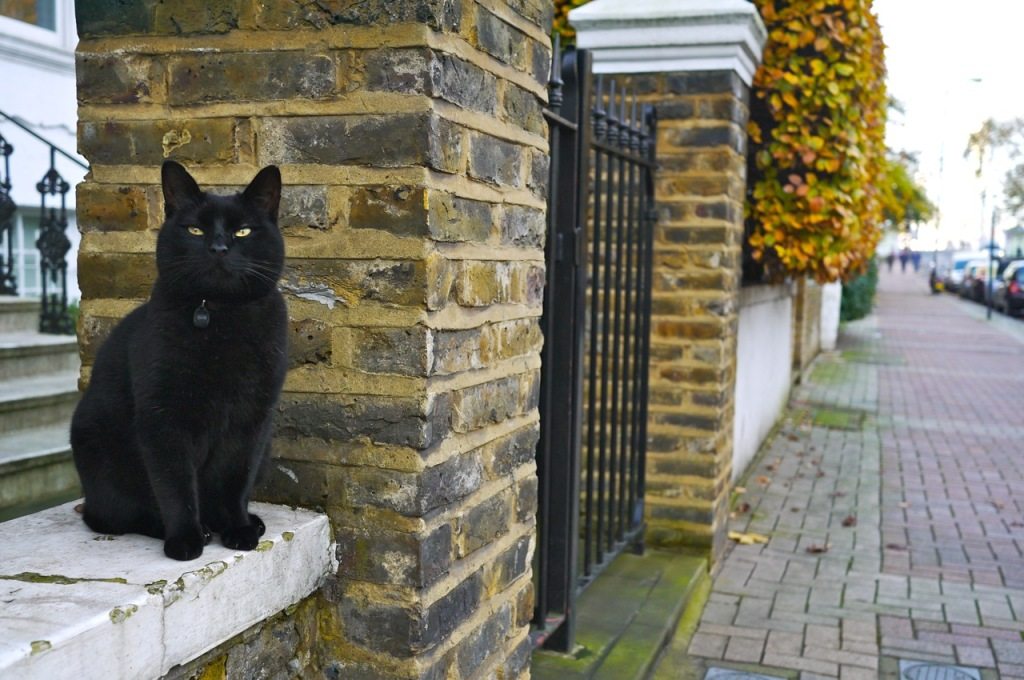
(670, 36)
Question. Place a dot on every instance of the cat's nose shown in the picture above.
(219, 249)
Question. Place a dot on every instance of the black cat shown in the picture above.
(176, 422)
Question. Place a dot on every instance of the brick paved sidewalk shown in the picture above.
(893, 499)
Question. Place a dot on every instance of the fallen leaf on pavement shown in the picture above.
(904, 504)
(747, 539)
(998, 505)
(895, 546)
(816, 549)
(740, 489)
(821, 473)
(792, 437)
(849, 521)
(743, 507)
(764, 481)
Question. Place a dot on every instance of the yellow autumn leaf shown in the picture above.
(747, 539)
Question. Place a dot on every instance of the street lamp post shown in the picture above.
(990, 274)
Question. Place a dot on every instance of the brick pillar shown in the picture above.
(696, 64)
(412, 144)
(806, 325)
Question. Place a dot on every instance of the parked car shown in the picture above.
(954, 275)
(998, 282)
(975, 278)
(1008, 296)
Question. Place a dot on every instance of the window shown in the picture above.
(30, 282)
(27, 271)
(41, 13)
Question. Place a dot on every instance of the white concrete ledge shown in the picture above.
(75, 604)
(658, 36)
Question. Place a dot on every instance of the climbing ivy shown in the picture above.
(818, 172)
(817, 153)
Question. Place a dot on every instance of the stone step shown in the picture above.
(18, 314)
(36, 470)
(39, 401)
(28, 353)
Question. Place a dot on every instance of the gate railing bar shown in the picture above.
(637, 142)
(546, 519)
(599, 127)
(562, 377)
(8, 281)
(626, 441)
(618, 453)
(648, 144)
(603, 486)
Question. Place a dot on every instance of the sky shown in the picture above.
(953, 64)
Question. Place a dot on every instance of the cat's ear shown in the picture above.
(264, 191)
(179, 187)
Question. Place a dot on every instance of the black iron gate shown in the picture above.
(594, 383)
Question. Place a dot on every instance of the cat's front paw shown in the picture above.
(255, 519)
(185, 547)
(244, 537)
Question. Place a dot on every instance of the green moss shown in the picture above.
(40, 646)
(675, 663)
(120, 615)
(217, 670)
(861, 356)
(838, 420)
(288, 535)
(156, 587)
(831, 373)
(33, 577)
(211, 570)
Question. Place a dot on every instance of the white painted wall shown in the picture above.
(831, 296)
(763, 368)
(38, 88)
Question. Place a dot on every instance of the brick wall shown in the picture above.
(413, 149)
(700, 191)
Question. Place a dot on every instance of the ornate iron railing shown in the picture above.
(52, 243)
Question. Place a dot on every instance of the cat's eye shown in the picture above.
(243, 232)
(195, 231)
